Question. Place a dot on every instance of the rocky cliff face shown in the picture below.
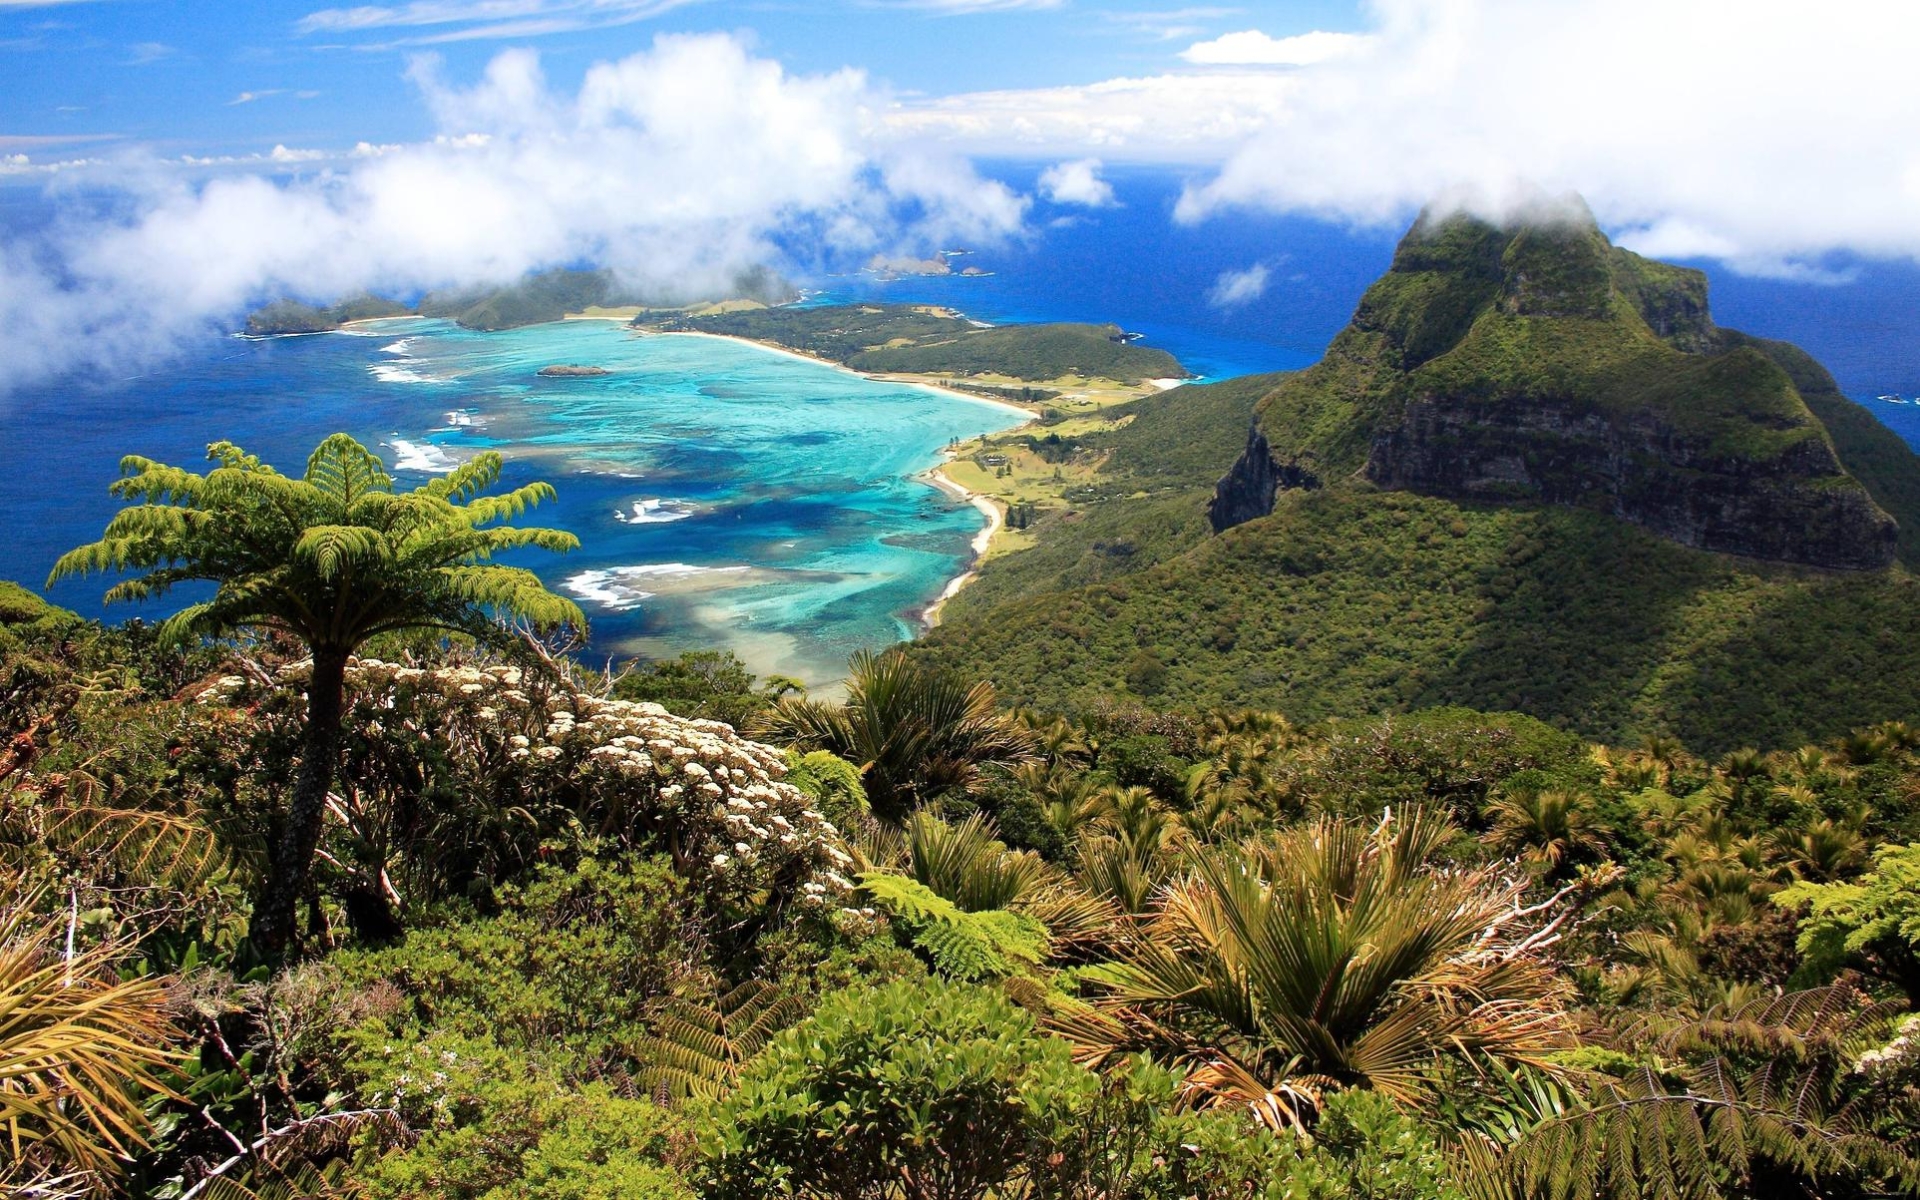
(1793, 507)
(1249, 488)
(1538, 364)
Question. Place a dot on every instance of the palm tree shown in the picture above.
(1335, 955)
(1550, 829)
(916, 733)
(333, 558)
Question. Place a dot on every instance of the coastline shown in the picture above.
(937, 477)
(1025, 414)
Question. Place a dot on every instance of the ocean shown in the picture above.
(724, 495)
(728, 496)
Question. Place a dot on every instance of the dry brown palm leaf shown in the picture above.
(80, 1049)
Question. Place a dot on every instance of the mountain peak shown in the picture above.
(1523, 358)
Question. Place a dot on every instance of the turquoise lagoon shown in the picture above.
(725, 495)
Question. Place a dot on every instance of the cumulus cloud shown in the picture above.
(1766, 142)
(1076, 182)
(1250, 47)
(1768, 139)
(1235, 288)
(1187, 118)
(676, 167)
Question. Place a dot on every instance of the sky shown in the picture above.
(198, 158)
(233, 78)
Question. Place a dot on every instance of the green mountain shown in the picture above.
(1538, 363)
(1532, 474)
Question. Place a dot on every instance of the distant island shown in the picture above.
(572, 371)
(929, 340)
(291, 316)
(899, 266)
(535, 300)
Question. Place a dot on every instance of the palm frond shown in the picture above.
(1339, 951)
(81, 1051)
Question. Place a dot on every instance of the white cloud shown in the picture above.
(484, 18)
(1235, 288)
(1076, 182)
(676, 166)
(148, 52)
(1669, 118)
(1168, 24)
(16, 141)
(1199, 118)
(1772, 138)
(250, 97)
(1250, 47)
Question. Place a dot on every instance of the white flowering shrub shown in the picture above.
(1898, 1062)
(465, 772)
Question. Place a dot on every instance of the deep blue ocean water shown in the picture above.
(730, 496)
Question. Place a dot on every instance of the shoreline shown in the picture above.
(1026, 415)
(938, 478)
(935, 477)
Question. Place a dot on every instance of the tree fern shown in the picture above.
(333, 558)
(1765, 1104)
(698, 1046)
(959, 944)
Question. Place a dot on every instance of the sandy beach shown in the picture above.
(936, 477)
(1024, 414)
(988, 508)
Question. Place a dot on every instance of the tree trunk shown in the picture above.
(290, 860)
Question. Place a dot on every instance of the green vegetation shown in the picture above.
(291, 316)
(920, 340)
(1128, 953)
(1350, 600)
(1348, 597)
(333, 560)
(1239, 902)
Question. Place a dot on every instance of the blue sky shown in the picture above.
(168, 73)
(197, 159)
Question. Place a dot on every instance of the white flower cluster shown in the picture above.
(224, 688)
(734, 824)
(1897, 1060)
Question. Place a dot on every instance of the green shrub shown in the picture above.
(530, 1139)
(833, 782)
(1362, 1149)
(565, 973)
(946, 1089)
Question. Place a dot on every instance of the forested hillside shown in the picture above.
(1340, 587)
